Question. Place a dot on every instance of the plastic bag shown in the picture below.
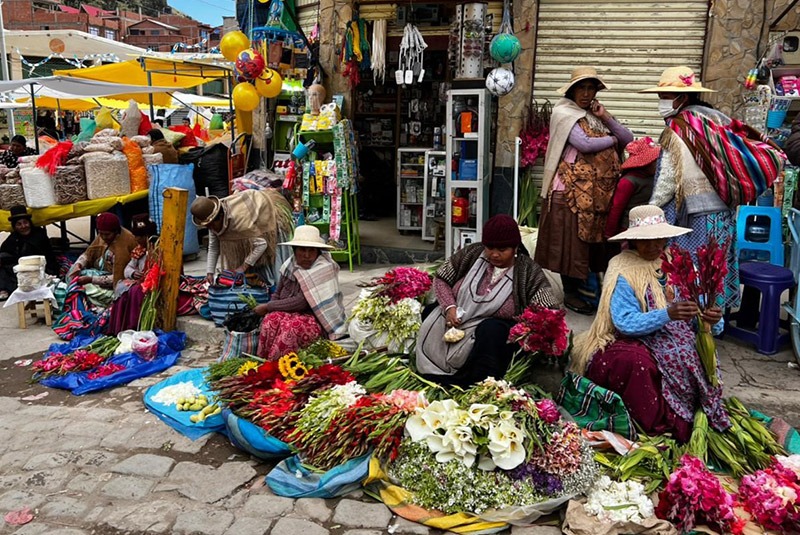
(144, 125)
(145, 344)
(131, 121)
(54, 157)
(172, 136)
(125, 342)
(188, 140)
(103, 119)
(216, 122)
(88, 129)
(136, 165)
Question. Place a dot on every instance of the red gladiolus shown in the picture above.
(541, 330)
(152, 278)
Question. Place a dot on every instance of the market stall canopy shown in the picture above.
(81, 89)
(180, 100)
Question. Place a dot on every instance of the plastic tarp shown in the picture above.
(253, 439)
(78, 88)
(169, 350)
(172, 175)
(179, 420)
(291, 478)
(64, 212)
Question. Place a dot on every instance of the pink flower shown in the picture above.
(547, 411)
(541, 330)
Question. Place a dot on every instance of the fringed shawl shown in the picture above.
(254, 214)
(565, 114)
(641, 275)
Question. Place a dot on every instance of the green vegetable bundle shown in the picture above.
(379, 372)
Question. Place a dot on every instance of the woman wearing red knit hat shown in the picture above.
(635, 185)
(479, 290)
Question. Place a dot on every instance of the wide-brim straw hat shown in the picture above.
(204, 210)
(647, 222)
(307, 236)
(678, 80)
(583, 73)
(641, 152)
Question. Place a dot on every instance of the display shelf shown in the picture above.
(468, 170)
(410, 189)
(435, 197)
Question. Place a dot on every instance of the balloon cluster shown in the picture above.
(256, 80)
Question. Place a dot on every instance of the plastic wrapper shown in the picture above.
(11, 195)
(107, 132)
(95, 156)
(69, 183)
(148, 150)
(31, 159)
(4, 172)
(453, 335)
(38, 188)
(107, 177)
(78, 149)
(130, 123)
(136, 165)
(29, 277)
(145, 344)
(104, 119)
(13, 177)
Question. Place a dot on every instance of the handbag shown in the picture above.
(236, 343)
(224, 300)
(594, 407)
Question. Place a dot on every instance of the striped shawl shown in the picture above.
(320, 286)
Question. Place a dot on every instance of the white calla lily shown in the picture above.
(513, 456)
(417, 428)
(486, 463)
(479, 411)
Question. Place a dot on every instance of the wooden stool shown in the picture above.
(22, 306)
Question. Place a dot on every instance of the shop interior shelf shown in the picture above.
(320, 136)
(457, 184)
(381, 113)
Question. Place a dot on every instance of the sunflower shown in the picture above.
(290, 367)
(246, 367)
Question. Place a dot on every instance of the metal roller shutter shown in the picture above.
(629, 42)
(307, 14)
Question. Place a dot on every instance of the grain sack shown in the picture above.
(136, 166)
(69, 184)
(142, 141)
(38, 188)
(154, 159)
(96, 156)
(107, 177)
(13, 177)
(148, 150)
(11, 195)
(78, 149)
(129, 126)
(99, 147)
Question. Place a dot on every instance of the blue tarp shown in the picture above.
(251, 438)
(169, 350)
(291, 479)
(179, 420)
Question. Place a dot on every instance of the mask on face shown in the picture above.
(665, 108)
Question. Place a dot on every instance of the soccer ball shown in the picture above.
(505, 48)
(250, 63)
(500, 81)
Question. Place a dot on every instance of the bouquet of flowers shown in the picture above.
(772, 495)
(64, 363)
(383, 322)
(151, 286)
(105, 370)
(694, 496)
(492, 448)
(701, 284)
(400, 283)
(619, 501)
(540, 329)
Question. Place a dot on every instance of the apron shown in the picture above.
(437, 357)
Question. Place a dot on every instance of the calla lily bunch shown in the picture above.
(481, 432)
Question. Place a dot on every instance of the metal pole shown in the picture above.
(4, 66)
(150, 95)
(233, 115)
(33, 103)
(517, 143)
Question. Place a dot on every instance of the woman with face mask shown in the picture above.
(682, 186)
(581, 169)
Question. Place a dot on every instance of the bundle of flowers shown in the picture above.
(79, 360)
(618, 501)
(401, 283)
(105, 370)
(492, 448)
(382, 321)
(541, 330)
(772, 495)
(151, 286)
(695, 496)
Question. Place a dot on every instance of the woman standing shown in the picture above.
(581, 169)
(479, 290)
(307, 304)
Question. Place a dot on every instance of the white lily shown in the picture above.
(513, 456)
(506, 416)
(417, 428)
(479, 411)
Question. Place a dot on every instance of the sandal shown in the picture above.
(3, 295)
(579, 306)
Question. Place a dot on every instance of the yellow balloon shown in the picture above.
(269, 84)
(232, 44)
(245, 97)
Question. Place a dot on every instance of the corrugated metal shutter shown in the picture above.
(629, 42)
(307, 14)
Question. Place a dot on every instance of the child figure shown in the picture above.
(636, 184)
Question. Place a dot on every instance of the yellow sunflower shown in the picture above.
(246, 367)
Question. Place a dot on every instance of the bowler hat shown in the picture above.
(204, 210)
(18, 212)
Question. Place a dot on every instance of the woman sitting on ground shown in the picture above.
(102, 265)
(641, 344)
(25, 240)
(307, 304)
(479, 290)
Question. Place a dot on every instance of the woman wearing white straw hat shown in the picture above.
(307, 304)
(641, 345)
(700, 179)
(581, 168)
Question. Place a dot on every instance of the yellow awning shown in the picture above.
(77, 104)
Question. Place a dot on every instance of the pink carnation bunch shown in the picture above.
(772, 496)
(541, 329)
(547, 410)
(401, 283)
(694, 496)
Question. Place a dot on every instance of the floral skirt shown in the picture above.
(283, 332)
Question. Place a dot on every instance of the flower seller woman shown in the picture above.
(581, 169)
(641, 344)
(479, 290)
(307, 304)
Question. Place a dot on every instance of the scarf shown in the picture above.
(565, 114)
(320, 287)
(255, 214)
(740, 162)
(641, 275)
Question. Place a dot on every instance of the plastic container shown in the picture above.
(29, 278)
(775, 118)
(145, 344)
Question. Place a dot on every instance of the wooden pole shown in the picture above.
(173, 226)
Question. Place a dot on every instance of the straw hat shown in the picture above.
(307, 236)
(647, 222)
(583, 73)
(641, 152)
(678, 80)
(204, 210)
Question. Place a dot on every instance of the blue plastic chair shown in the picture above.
(773, 245)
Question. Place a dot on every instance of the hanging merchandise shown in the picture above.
(245, 97)
(269, 83)
(379, 51)
(505, 47)
(500, 81)
(250, 63)
(232, 44)
(355, 51)
(409, 65)
(472, 22)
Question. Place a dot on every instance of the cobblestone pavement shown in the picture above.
(101, 464)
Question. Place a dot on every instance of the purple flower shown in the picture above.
(548, 411)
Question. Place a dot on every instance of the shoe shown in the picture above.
(3, 295)
(579, 306)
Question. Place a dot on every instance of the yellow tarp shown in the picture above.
(78, 104)
(163, 73)
(64, 212)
